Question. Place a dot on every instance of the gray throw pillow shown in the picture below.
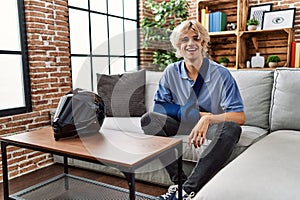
(123, 94)
(255, 88)
(285, 107)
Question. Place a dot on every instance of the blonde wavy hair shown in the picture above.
(183, 28)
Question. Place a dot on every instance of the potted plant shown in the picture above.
(252, 24)
(224, 61)
(273, 60)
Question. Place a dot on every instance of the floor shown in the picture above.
(38, 176)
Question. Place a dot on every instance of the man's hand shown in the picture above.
(198, 134)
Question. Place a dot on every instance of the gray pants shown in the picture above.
(223, 138)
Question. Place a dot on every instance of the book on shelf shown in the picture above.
(211, 20)
(205, 18)
(207, 21)
(297, 55)
(293, 51)
(217, 21)
(223, 21)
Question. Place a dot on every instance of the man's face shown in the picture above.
(190, 46)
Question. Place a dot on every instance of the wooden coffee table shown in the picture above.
(123, 150)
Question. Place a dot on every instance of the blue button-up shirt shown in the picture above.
(218, 94)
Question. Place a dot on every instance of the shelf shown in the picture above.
(287, 30)
(213, 2)
(223, 33)
(258, 68)
(240, 45)
(231, 68)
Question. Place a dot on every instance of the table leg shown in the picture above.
(66, 171)
(4, 170)
(179, 160)
(179, 178)
(131, 183)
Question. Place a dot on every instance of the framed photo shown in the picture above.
(279, 19)
(257, 12)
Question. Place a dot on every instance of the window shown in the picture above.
(14, 77)
(104, 39)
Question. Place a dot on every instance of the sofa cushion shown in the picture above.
(268, 170)
(249, 135)
(152, 80)
(123, 94)
(255, 88)
(285, 106)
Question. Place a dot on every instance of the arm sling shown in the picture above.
(185, 112)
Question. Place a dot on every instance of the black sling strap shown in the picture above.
(200, 80)
(201, 77)
(172, 109)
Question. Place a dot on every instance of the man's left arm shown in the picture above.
(198, 134)
(233, 108)
(237, 117)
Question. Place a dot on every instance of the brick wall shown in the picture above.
(50, 77)
(146, 54)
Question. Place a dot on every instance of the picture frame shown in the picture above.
(279, 19)
(257, 11)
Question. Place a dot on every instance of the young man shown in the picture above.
(199, 97)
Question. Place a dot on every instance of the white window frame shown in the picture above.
(86, 64)
(24, 68)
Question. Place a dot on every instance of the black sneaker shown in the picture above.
(185, 196)
(170, 195)
(188, 197)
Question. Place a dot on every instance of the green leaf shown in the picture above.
(157, 17)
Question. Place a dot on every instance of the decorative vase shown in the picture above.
(252, 27)
(257, 61)
(273, 64)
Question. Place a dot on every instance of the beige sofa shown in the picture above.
(266, 170)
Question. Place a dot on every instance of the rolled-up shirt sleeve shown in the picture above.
(163, 93)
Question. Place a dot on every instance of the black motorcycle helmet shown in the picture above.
(79, 111)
